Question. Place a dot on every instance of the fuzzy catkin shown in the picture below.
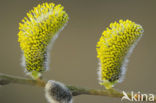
(36, 32)
(56, 92)
(113, 49)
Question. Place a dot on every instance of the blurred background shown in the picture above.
(73, 57)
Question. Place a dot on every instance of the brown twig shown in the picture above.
(8, 79)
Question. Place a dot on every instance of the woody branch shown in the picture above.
(9, 79)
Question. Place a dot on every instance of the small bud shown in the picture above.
(57, 92)
(36, 32)
(113, 49)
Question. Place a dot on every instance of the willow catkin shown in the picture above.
(36, 32)
(57, 92)
(113, 49)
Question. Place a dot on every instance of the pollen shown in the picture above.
(113, 49)
(36, 32)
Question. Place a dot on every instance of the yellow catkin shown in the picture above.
(36, 31)
(114, 48)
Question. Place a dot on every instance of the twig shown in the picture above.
(8, 79)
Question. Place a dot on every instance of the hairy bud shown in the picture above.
(57, 92)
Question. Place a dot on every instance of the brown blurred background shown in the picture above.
(73, 57)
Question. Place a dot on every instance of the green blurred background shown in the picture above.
(73, 57)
